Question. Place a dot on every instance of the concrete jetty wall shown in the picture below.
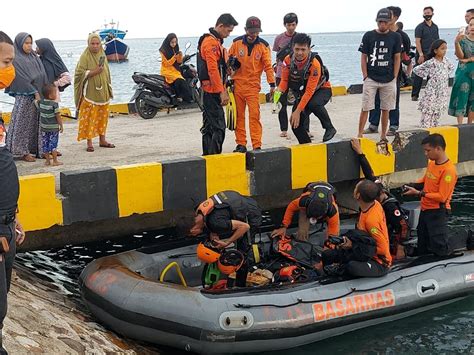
(122, 200)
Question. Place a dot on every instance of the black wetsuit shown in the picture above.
(9, 192)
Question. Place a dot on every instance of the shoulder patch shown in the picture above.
(448, 178)
(374, 230)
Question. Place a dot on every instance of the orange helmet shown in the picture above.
(230, 261)
(206, 253)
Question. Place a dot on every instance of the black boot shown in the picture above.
(329, 134)
(240, 149)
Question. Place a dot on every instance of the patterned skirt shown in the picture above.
(23, 136)
(93, 120)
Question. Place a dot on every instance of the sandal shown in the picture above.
(28, 158)
(107, 145)
(283, 134)
(90, 149)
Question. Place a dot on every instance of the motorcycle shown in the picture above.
(153, 93)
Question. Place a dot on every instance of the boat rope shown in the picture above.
(352, 290)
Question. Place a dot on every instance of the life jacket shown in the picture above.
(320, 190)
(399, 233)
(244, 209)
(298, 78)
(203, 73)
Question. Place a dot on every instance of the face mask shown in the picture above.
(427, 17)
(6, 76)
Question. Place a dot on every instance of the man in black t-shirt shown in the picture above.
(394, 115)
(425, 34)
(11, 231)
(380, 63)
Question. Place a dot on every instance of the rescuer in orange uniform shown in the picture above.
(212, 71)
(250, 55)
(435, 190)
(306, 79)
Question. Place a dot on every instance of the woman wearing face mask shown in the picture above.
(23, 131)
(10, 191)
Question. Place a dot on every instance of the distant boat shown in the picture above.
(116, 50)
(109, 28)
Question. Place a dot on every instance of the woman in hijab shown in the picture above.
(92, 93)
(171, 58)
(56, 71)
(23, 131)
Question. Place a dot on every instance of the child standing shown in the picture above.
(436, 95)
(51, 123)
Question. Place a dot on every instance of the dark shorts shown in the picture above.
(49, 141)
(356, 268)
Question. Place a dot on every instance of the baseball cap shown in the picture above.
(253, 23)
(384, 15)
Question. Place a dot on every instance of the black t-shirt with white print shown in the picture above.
(381, 49)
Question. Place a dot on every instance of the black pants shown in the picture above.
(432, 232)
(6, 267)
(417, 82)
(243, 246)
(369, 268)
(182, 90)
(316, 105)
(213, 124)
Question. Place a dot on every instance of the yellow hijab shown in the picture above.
(98, 89)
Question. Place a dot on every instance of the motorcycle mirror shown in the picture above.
(187, 45)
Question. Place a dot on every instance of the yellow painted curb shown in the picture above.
(339, 90)
(308, 163)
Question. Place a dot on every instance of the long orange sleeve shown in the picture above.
(291, 209)
(285, 74)
(268, 66)
(211, 52)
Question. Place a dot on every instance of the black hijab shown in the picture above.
(166, 49)
(53, 64)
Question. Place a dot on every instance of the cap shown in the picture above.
(384, 15)
(253, 23)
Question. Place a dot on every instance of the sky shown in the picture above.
(67, 20)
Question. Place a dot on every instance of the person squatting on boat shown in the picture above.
(316, 204)
(356, 253)
(228, 214)
(395, 215)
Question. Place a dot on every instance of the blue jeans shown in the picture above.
(394, 115)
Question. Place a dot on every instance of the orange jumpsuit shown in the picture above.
(254, 59)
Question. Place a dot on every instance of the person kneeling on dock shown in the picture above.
(364, 252)
(435, 190)
(316, 204)
(228, 214)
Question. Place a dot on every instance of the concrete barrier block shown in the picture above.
(409, 152)
(184, 183)
(119, 108)
(451, 136)
(131, 107)
(270, 170)
(381, 164)
(308, 163)
(226, 172)
(465, 146)
(343, 163)
(355, 89)
(89, 195)
(339, 90)
(38, 206)
(139, 188)
(262, 98)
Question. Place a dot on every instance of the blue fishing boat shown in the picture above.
(116, 50)
(110, 30)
